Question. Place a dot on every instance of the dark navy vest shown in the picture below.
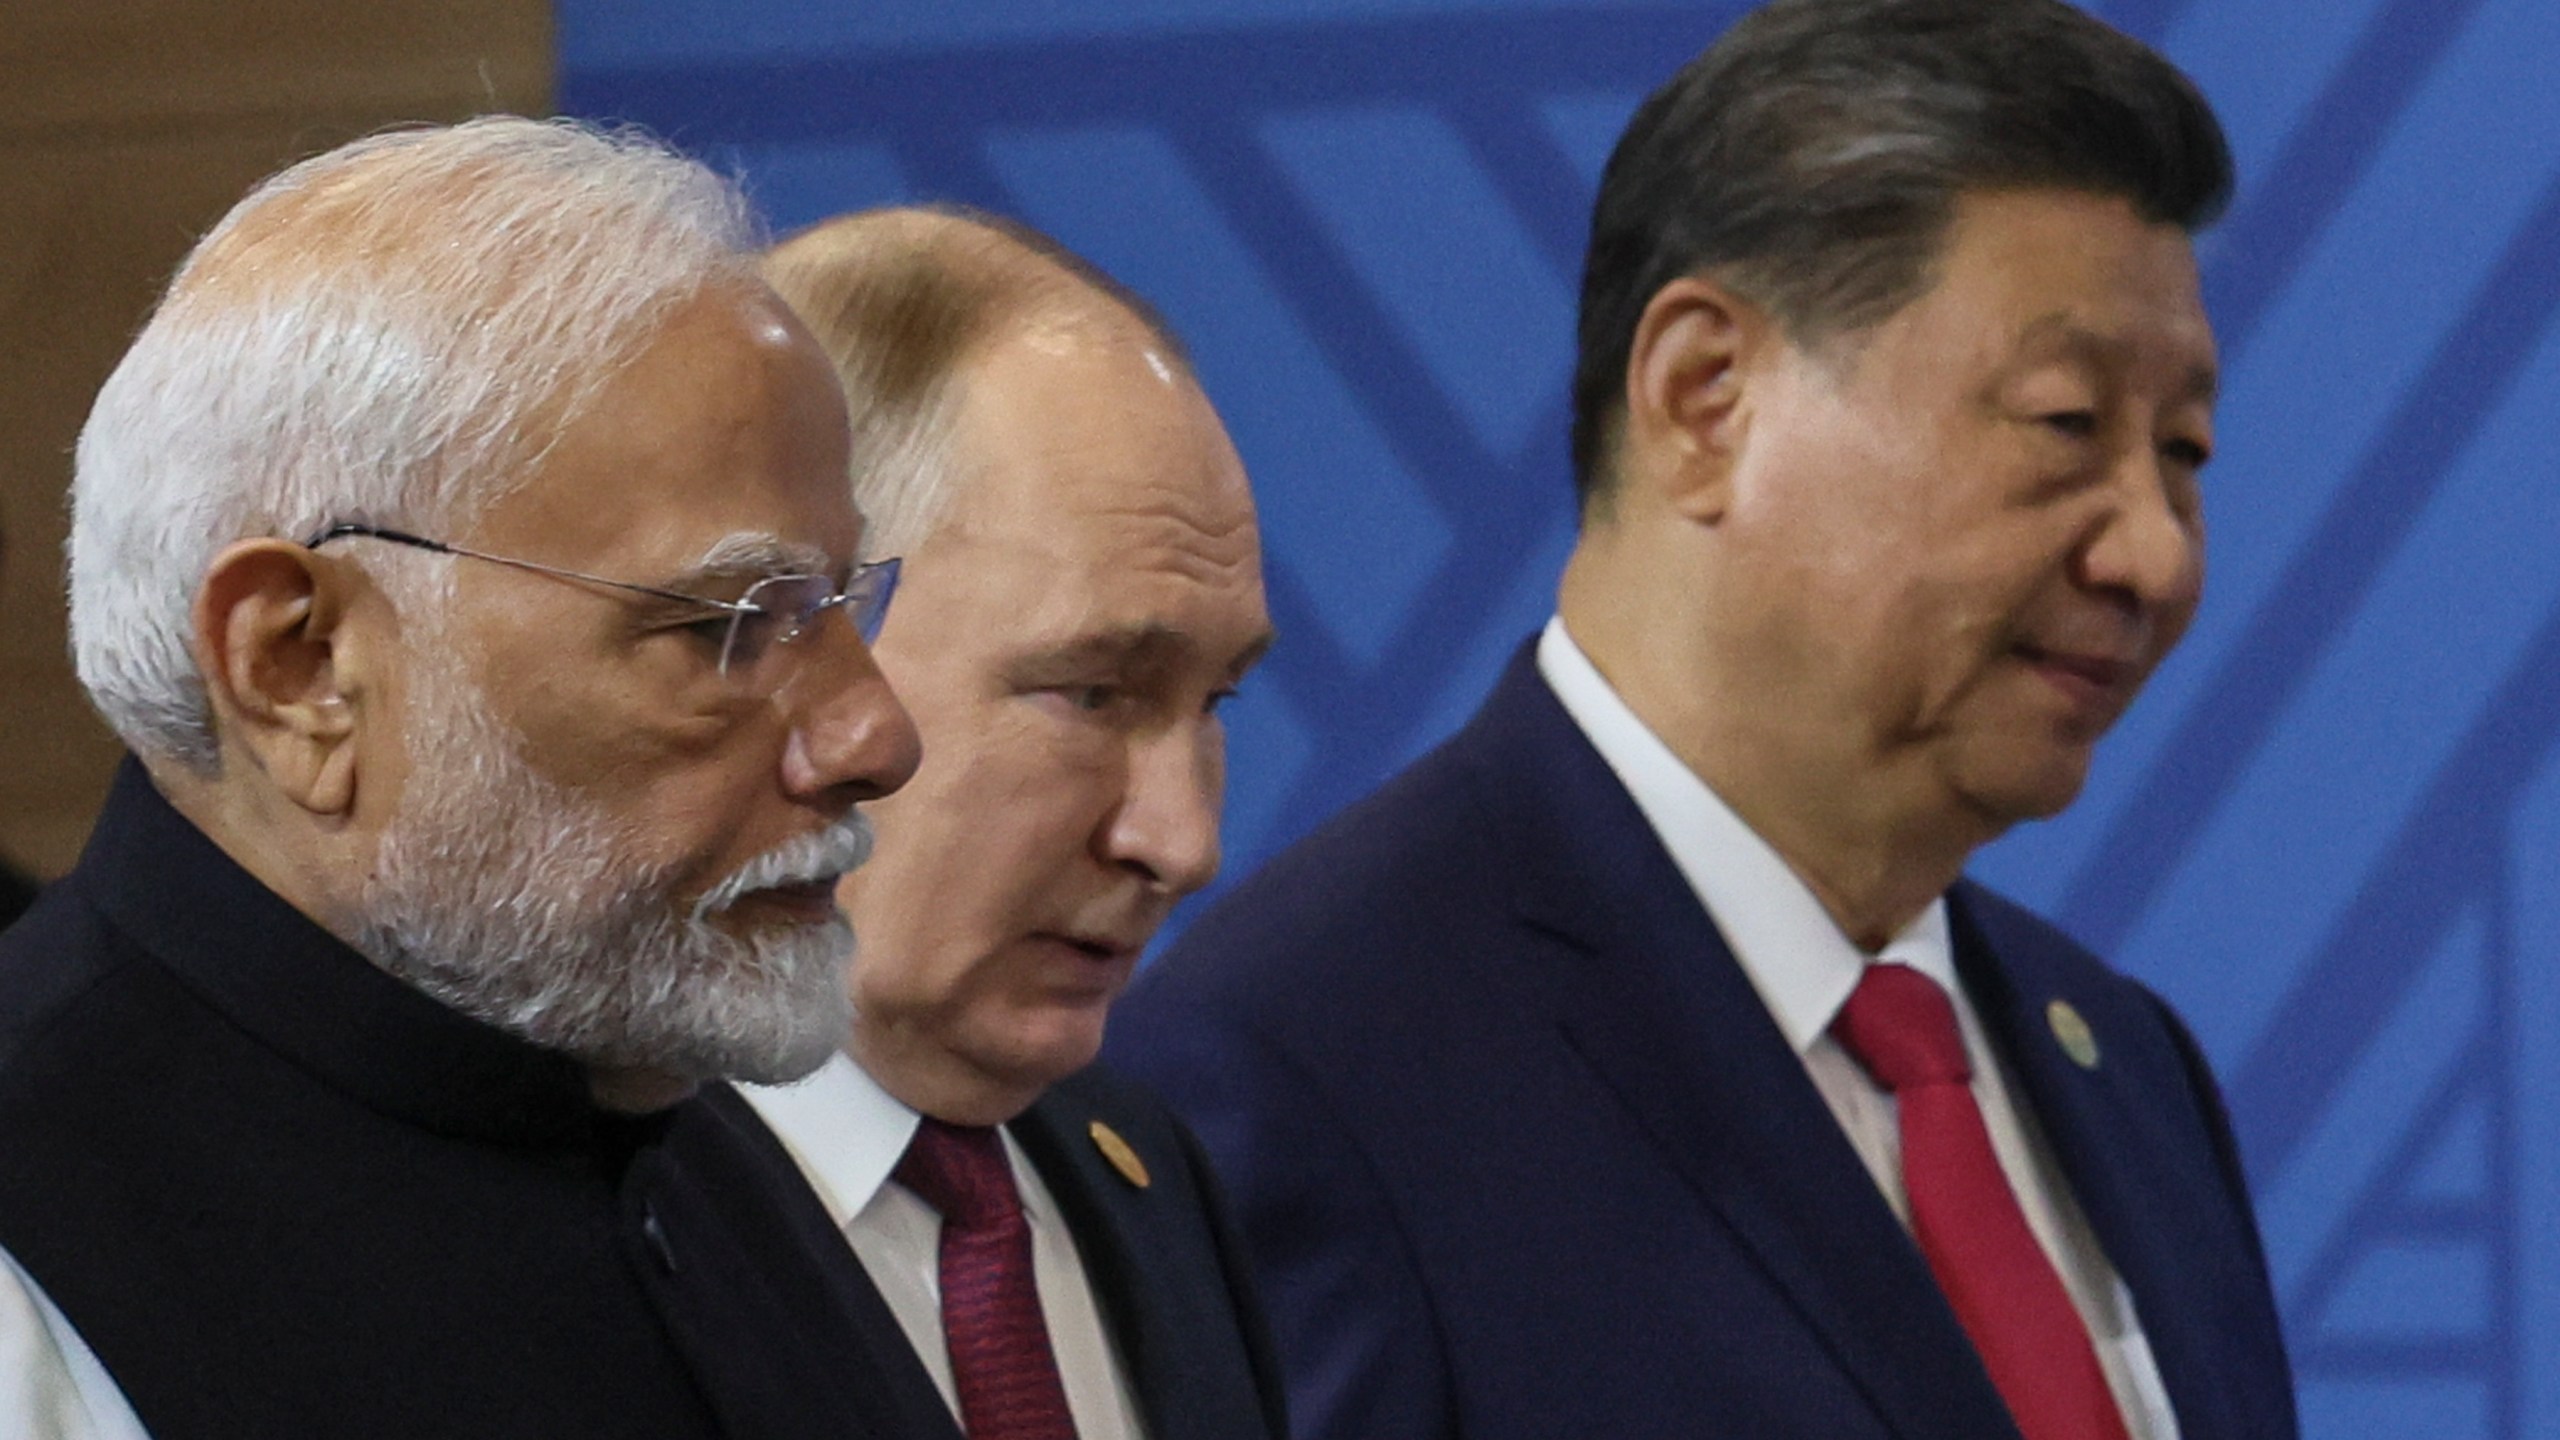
(282, 1194)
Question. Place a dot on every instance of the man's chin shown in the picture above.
(785, 1028)
(2027, 795)
(764, 1003)
(1051, 1046)
(787, 1042)
(796, 1061)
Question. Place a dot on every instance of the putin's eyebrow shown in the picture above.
(1124, 649)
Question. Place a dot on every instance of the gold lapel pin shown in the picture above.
(2072, 1033)
(1117, 1151)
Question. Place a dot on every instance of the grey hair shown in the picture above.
(900, 299)
(394, 331)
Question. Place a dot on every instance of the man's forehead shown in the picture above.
(1100, 518)
(716, 449)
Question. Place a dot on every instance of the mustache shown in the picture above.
(819, 857)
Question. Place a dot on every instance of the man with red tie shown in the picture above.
(1640, 1062)
(1082, 589)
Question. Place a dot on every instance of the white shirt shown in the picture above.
(1804, 967)
(51, 1386)
(847, 1135)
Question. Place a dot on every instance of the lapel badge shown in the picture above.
(1117, 1151)
(2072, 1033)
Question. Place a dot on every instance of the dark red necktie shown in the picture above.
(1001, 1364)
(1900, 1026)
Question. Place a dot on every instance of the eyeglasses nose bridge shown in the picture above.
(866, 597)
(864, 601)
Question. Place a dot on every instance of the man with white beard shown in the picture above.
(454, 551)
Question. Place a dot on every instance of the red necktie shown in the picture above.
(1899, 1025)
(1001, 1364)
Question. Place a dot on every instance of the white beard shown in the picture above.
(513, 900)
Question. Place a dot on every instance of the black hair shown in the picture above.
(1812, 159)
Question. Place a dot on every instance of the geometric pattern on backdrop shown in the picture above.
(2330, 832)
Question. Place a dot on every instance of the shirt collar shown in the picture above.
(1796, 956)
(848, 1134)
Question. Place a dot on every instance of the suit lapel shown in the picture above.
(1649, 996)
(1108, 1214)
(2103, 1126)
(895, 1388)
(904, 1388)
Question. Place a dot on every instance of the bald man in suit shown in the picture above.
(1081, 590)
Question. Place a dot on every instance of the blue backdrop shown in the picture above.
(2330, 833)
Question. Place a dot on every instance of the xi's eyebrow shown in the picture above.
(2202, 383)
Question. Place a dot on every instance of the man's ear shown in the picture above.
(1686, 370)
(282, 669)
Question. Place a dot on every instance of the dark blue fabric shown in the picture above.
(1519, 1153)
(1167, 1271)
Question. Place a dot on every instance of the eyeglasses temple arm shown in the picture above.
(403, 537)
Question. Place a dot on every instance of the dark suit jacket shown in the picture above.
(17, 892)
(283, 1194)
(1519, 1152)
(1167, 1271)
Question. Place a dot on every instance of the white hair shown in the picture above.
(393, 331)
(531, 907)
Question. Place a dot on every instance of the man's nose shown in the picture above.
(850, 735)
(1166, 826)
(2149, 546)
